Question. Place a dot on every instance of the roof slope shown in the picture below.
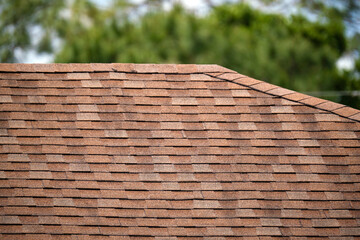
(125, 151)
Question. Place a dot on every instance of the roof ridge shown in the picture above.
(113, 67)
(261, 86)
(212, 70)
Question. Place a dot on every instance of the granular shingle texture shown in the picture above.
(127, 151)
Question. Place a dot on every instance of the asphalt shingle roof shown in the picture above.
(145, 151)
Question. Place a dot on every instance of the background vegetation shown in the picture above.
(295, 44)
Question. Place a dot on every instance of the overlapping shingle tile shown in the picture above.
(129, 151)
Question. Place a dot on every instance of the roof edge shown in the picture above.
(212, 70)
(273, 90)
(117, 67)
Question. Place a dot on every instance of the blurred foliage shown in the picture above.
(18, 21)
(292, 52)
(347, 11)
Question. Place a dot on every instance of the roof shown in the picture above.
(145, 151)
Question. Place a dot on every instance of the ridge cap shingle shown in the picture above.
(113, 67)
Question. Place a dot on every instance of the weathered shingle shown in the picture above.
(147, 151)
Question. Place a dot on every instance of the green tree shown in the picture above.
(19, 21)
(348, 13)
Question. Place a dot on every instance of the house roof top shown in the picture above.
(143, 151)
(212, 70)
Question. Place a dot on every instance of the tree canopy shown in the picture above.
(291, 51)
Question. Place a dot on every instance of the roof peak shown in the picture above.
(212, 70)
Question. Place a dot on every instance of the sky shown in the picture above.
(199, 7)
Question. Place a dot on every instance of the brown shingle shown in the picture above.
(78, 76)
(131, 151)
